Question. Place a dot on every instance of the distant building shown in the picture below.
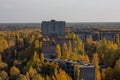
(49, 50)
(96, 34)
(49, 47)
(53, 28)
(86, 70)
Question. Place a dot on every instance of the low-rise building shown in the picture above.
(97, 33)
(86, 70)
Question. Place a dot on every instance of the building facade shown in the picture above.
(53, 28)
(96, 34)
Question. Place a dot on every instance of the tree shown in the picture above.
(47, 78)
(58, 51)
(68, 35)
(4, 75)
(42, 57)
(37, 44)
(27, 76)
(117, 65)
(31, 72)
(3, 44)
(73, 35)
(116, 73)
(70, 49)
(80, 46)
(21, 77)
(109, 74)
(14, 71)
(65, 53)
(36, 57)
(107, 49)
(117, 39)
(95, 61)
(76, 72)
(0, 57)
(38, 77)
(90, 47)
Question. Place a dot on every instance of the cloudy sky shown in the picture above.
(68, 10)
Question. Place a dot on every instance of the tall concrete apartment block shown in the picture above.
(53, 27)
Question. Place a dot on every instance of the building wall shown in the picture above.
(110, 35)
(53, 27)
(87, 73)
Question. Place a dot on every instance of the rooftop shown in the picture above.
(71, 62)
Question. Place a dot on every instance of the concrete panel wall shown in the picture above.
(53, 27)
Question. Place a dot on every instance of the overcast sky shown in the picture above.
(68, 10)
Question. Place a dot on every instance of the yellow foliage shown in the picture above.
(42, 57)
(3, 44)
(58, 51)
(95, 61)
(65, 52)
(31, 71)
(14, 71)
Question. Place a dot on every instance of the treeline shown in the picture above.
(21, 58)
(18, 26)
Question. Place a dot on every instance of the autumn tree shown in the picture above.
(35, 56)
(21, 77)
(4, 75)
(37, 77)
(116, 73)
(76, 72)
(58, 51)
(117, 39)
(42, 57)
(73, 35)
(107, 49)
(79, 45)
(65, 53)
(95, 61)
(47, 78)
(35, 61)
(38, 45)
(90, 47)
(70, 47)
(68, 34)
(14, 71)
(31, 72)
(109, 74)
(3, 44)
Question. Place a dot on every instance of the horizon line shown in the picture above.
(65, 21)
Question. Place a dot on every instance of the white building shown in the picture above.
(53, 28)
